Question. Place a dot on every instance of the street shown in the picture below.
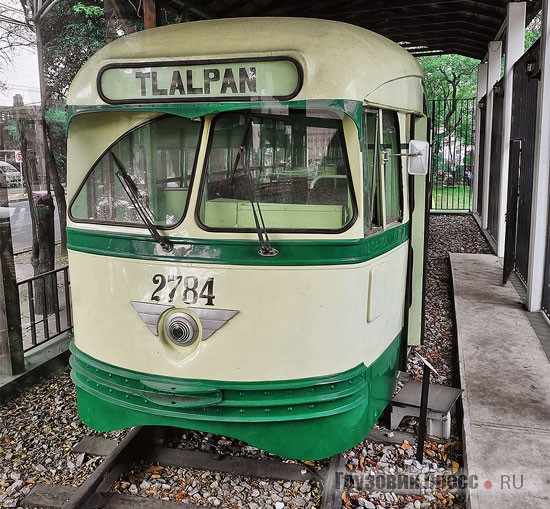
(21, 230)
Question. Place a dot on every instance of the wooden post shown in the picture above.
(117, 14)
(149, 14)
(11, 340)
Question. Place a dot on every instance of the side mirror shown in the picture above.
(418, 157)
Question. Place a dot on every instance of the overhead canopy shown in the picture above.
(424, 27)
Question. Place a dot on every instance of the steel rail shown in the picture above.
(90, 495)
(96, 492)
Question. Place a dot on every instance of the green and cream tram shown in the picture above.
(244, 230)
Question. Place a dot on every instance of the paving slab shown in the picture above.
(505, 376)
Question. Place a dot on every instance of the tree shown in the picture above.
(14, 35)
(71, 34)
(66, 36)
(14, 32)
(449, 76)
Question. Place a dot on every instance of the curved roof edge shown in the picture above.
(339, 60)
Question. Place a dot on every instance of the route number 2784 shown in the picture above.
(190, 287)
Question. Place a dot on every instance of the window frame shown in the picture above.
(139, 224)
(376, 192)
(398, 161)
(310, 231)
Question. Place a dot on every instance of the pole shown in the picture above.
(149, 14)
(423, 413)
(12, 359)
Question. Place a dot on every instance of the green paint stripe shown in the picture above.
(210, 400)
(238, 252)
(305, 438)
(200, 109)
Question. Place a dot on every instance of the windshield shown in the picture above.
(290, 162)
(159, 158)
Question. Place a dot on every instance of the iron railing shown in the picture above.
(45, 312)
(452, 153)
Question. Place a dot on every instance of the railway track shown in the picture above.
(138, 445)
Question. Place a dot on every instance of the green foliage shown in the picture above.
(533, 31)
(71, 35)
(449, 76)
(57, 122)
(56, 115)
(90, 11)
(11, 130)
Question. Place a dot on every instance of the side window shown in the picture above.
(392, 167)
(371, 168)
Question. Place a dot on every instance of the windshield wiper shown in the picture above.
(266, 249)
(144, 213)
(265, 245)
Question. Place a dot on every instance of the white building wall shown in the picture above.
(539, 208)
(515, 42)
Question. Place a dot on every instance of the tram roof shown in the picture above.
(340, 61)
(464, 27)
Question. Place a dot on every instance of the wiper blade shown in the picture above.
(144, 213)
(241, 153)
(265, 245)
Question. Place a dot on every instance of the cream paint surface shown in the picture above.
(292, 322)
(339, 60)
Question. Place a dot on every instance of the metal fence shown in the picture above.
(45, 314)
(453, 123)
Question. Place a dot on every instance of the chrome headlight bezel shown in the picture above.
(180, 328)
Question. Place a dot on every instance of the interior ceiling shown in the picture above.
(425, 28)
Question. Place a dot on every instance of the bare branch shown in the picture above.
(15, 33)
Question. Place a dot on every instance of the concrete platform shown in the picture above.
(39, 362)
(505, 376)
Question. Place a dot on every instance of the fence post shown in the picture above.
(12, 360)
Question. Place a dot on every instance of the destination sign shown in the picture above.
(218, 80)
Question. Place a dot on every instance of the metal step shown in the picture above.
(441, 405)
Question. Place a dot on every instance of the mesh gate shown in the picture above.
(452, 153)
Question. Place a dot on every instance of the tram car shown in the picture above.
(246, 230)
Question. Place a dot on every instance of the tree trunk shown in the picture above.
(52, 174)
(57, 187)
(43, 255)
(43, 232)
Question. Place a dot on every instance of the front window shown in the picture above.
(291, 163)
(148, 170)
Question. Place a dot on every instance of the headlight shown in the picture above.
(180, 328)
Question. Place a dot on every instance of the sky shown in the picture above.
(21, 78)
(21, 75)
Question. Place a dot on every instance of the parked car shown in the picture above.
(10, 176)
